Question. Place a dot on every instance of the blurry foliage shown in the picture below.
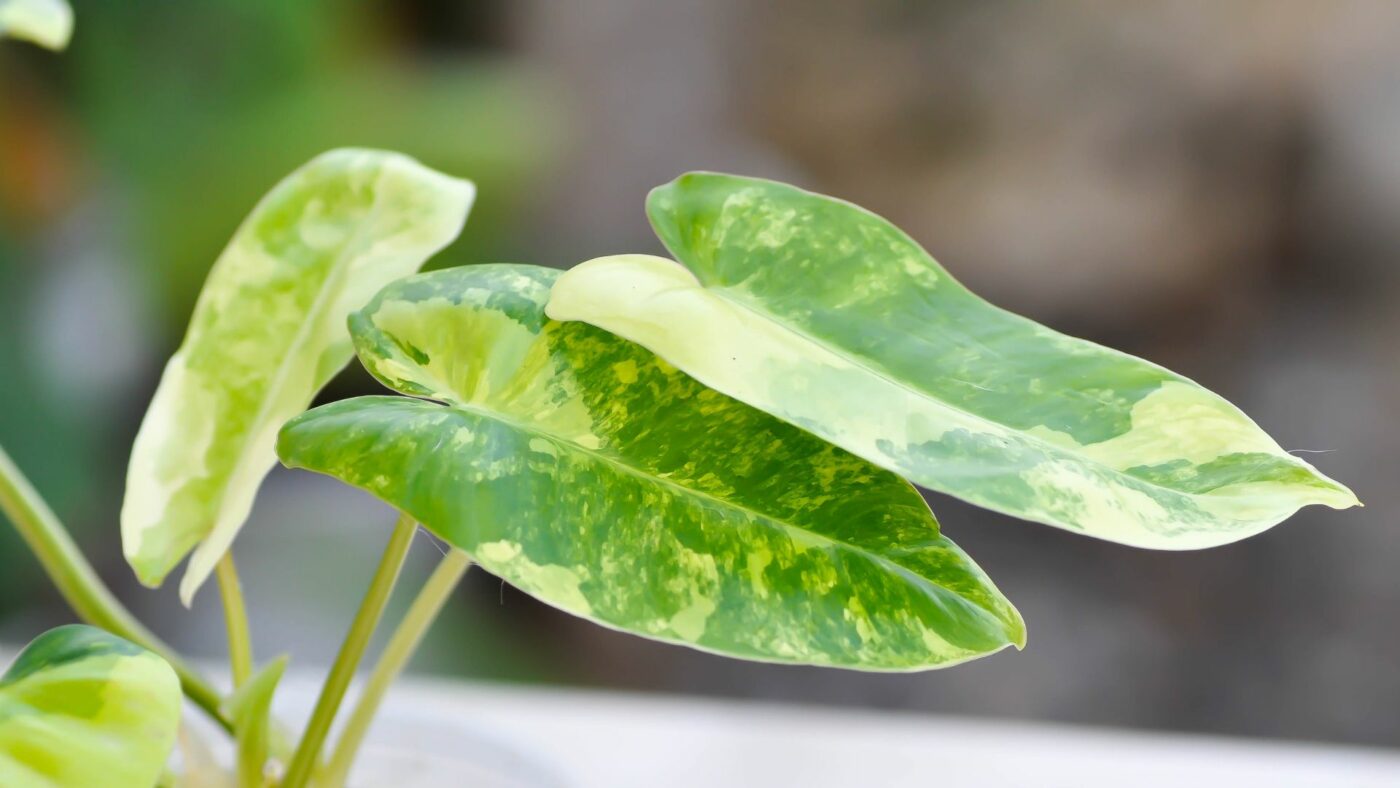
(54, 450)
(197, 126)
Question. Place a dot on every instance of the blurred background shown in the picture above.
(1214, 185)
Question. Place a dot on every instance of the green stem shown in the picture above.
(80, 586)
(402, 644)
(356, 641)
(240, 642)
(250, 739)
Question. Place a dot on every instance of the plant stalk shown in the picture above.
(304, 760)
(251, 753)
(240, 641)
(400, 649)
(80, 586)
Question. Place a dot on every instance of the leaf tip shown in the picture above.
(1015, 627)
(191, 582)
(149, 573)
(1332, 493)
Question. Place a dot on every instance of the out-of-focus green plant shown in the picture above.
(328, 74)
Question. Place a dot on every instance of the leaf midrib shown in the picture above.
(774, 523)
(279, 380)
(866, 365)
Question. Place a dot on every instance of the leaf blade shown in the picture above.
(266, 334)
(82, 707)
(830, 318)
(578, 468)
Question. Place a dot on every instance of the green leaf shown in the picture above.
(830, 318)
(251, 710)
(589, 474)
(80, 707)
(48, 23)
(267, 333)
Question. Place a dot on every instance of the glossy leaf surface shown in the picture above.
(267, 333)
(829, 317)
(592, 476)
(48, 23)
(80, 708)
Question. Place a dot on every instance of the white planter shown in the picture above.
(401, 767)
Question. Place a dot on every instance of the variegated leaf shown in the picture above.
(48, 23)
(589, 474)
(267, 333)
(82, 708)
(832, 319)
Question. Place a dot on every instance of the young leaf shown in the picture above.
(832, 319)
(589, 474)
(267, 333)
(48, 23)
(82, 707)
(250, 707)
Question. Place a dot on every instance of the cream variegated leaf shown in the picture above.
(589, 474)
(80, 707)
(267, 333)
(832, 319)
(48, 23)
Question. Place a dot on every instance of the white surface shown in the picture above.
(447, 734)
(579, 739)
(435, 733)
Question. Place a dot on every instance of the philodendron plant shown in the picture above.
(711, 451)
